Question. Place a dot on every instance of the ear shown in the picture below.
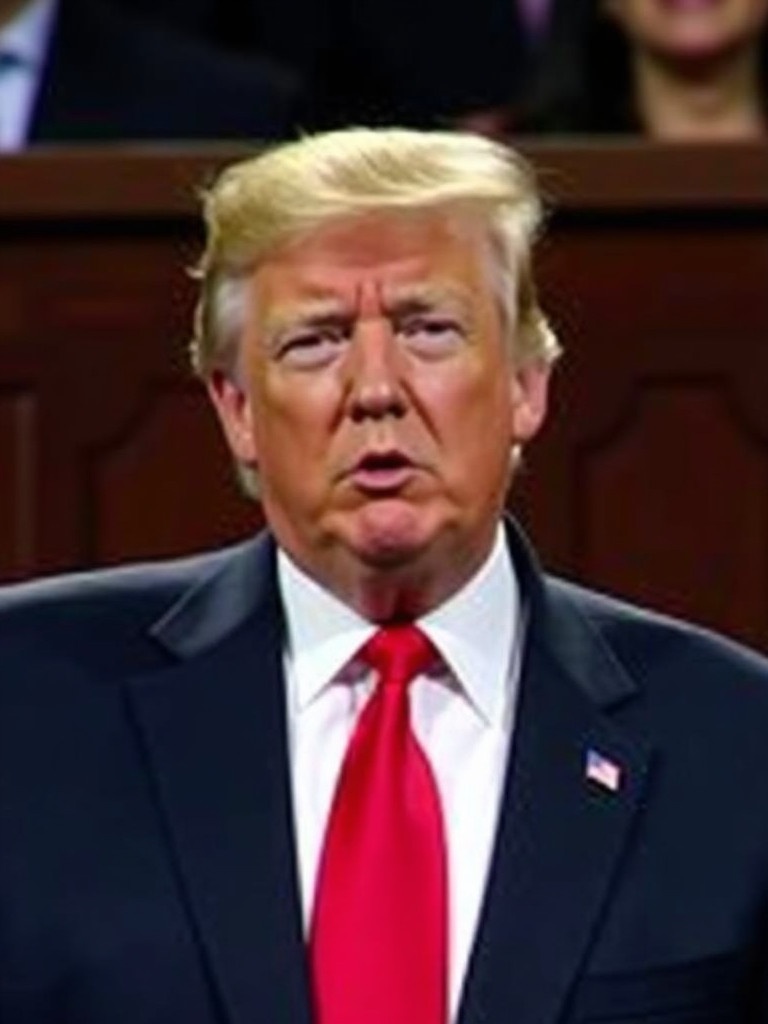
(530, 391)
(233, 407)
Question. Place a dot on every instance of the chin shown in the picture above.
(391, 534)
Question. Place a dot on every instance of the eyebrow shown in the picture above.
(413, 298)
(311, 313)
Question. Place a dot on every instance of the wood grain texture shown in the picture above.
(650, 480)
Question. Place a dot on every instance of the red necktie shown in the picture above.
(378, 942)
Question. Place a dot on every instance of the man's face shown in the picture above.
(377, 398)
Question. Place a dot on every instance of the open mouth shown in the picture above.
(383, 471)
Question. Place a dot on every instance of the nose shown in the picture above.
(375, 371)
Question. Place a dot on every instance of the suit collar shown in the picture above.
(241, 581)
(237, 584)
(558, 625)
(476, 631)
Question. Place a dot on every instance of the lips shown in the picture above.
(382, 472)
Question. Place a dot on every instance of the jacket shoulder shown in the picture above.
(661, 652)
(68, 608)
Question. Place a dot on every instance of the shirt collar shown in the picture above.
(476, 632)
(323, 633)
(26, 35)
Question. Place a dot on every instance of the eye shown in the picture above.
(311, 347)
(432, 335)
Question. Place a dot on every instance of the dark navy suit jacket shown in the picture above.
(110, 76)
(147, 861)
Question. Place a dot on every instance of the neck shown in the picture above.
(716, 101)
(407, 590)
(396, 595)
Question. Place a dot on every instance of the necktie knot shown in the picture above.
(399, 653)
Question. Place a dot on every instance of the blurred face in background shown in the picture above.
(690, 30)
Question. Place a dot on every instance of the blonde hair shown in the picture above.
(258, 205)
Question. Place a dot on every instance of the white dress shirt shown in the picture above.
(24, 42)
(462, 716)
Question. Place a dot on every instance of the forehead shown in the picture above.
(387, 252)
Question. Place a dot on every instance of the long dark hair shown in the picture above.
(585, 83)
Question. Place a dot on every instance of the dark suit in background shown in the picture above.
(147, 866)
(111, 76)
(421, 64)
(381, 61)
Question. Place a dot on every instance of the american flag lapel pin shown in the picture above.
(602, 771)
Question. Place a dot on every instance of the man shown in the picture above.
(80, 71)
(373, 765)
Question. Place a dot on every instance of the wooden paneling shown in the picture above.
(651, 479)
(18, 504)
(175, 457)
(97, 308)
(690, 506)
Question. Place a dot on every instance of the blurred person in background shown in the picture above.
(83, 71)
(422, 64)
(677, 70)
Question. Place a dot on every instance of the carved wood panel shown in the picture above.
(650, 479)
(93, 364)
(18, 505)
(171, 453)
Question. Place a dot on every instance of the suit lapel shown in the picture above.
(213, 727)
(561, 834)
(214, 730)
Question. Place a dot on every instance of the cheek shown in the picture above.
(298, 409)
(475, 420)
(298, 437)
